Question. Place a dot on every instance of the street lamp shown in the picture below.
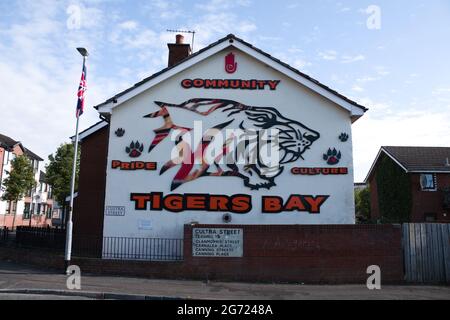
(83, 52)
(69, 226)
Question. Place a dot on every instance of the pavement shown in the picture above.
(24, 282)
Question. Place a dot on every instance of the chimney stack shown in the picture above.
(178, 50)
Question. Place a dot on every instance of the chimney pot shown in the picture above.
(179, 39)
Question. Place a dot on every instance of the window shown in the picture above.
(26, 211)
(428, 182)
(430, 217)
(38, 210)
(49, 212)
(14, 207)
(32, 209)
(8, 207)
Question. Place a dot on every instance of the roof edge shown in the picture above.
(232, 38)
(382, 149)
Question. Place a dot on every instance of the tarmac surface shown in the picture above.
(24, 282)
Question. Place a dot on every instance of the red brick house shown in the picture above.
(424, 176)
(36, 208)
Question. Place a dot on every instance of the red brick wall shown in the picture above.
(296, 254)
(36, 221)
(90, 202)
(307, 253)
(429, 201)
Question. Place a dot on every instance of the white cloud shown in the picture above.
(328, 55)
(367, 79)
(357, 88)
(128, 25)
(350, 59)
(300, 63)
(381, 70)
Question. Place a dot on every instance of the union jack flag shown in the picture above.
(81, 90)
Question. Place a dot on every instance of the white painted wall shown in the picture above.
(291, 99)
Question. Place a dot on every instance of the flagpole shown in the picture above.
(69, 225)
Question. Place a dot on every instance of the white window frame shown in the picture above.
(433, 175)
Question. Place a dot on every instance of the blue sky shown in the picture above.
(399, 70)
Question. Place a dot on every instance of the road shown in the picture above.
(15, 277)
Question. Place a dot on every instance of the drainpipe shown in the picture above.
(1, 169)
(1, 180)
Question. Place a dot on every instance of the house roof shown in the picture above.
(417, 159)
(30, 154)
(356, 109)
(9, 143)
(421, 158)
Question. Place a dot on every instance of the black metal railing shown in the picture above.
(120, 248)
(142, 248)
(4, 234)
(50, 238)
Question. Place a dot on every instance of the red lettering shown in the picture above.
(186, 83)
(115, 164)
(150, 166)
(222, 84)
(210, 83)
(272, 204)
(241, 203)
(294, 203)
(140, 200)
(198, 83)
(315, 203)
(174, 203)
(196, 203)
(156, 201)
(273, 84)
(245, 84)
(261, 84)
(218, 203)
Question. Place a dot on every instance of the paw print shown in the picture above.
(120, 132)
(135, 149)
(343, 137)
(332, 157)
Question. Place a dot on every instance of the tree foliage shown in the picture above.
(59, 171)
(20, 179)
(394, 192)
(362, 205)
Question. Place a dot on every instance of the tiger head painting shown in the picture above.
(285, 139)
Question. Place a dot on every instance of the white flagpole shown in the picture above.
(69, 226)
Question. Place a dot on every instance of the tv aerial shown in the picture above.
(192, 32)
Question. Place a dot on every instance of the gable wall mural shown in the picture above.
(253, 144)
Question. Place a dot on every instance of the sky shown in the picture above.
(390, 56)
